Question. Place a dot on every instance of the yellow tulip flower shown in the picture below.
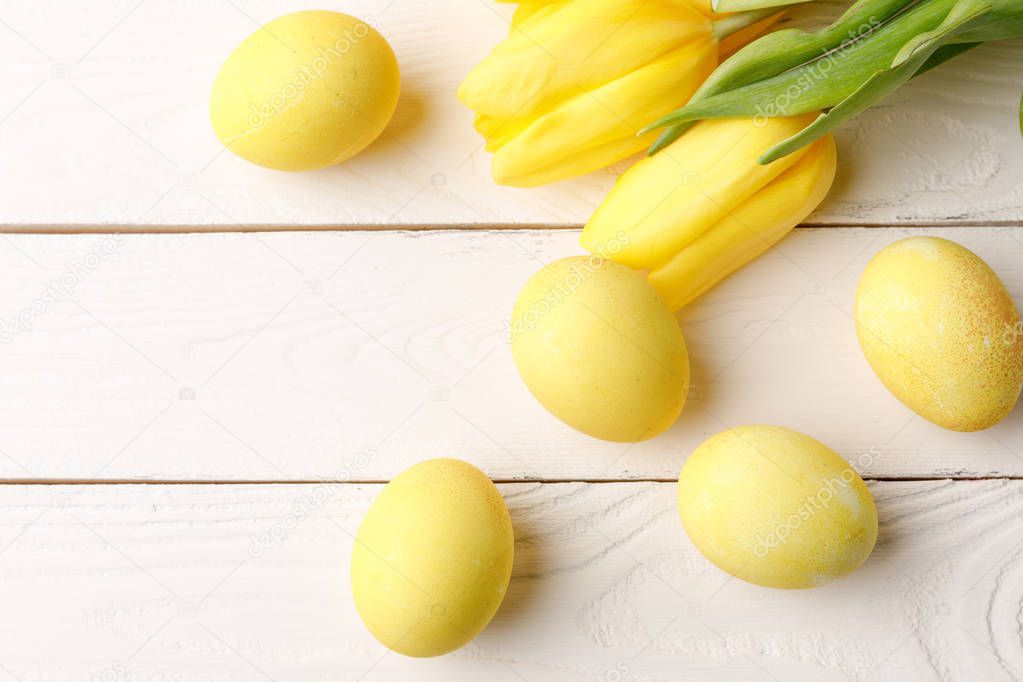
(528, 6)
(703, 207)
(567, 91)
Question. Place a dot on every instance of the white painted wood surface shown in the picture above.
(191, 360)
(104, 122)
(153, 582)
(303, 356)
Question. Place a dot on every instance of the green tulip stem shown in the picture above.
(746, 5)
(733, 23)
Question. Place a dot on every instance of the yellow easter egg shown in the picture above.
(775, 507)
(598, 348)
(432, 558)
(307, 90)
(941, 332)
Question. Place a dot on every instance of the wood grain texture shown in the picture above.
(104, 123)
(181, 582)
(351, 355)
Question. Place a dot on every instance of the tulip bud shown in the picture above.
(749, 230)
(704, 6)
(703, 207)
(567, 91)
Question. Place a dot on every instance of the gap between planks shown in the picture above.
(36, 229)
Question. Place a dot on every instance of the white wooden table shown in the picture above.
(193, 425)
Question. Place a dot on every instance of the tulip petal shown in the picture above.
(749, 230)
(498, 132)
(527, 10)
(665, 202)
(595, 129)
(577, 46)
(703, 6)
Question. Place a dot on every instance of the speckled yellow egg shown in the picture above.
(432, 558)
(306, 90)
(597, 346)
(775, 507)
(941, 332)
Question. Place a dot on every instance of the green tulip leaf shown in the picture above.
(963, 15)
(943, 54)
(823, 82)
(906, 64)
(780, 51)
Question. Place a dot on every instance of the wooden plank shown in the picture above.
(171, 582)
(105, 123)
(351, 355)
